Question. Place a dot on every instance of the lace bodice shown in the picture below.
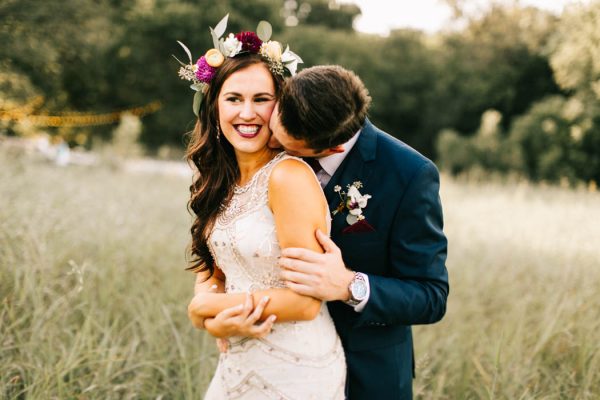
(243, 241)
(297, 360)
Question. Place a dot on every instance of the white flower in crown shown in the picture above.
(232, 46)
(272, 50)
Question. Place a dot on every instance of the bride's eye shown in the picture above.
(263, 99)
(233, 99)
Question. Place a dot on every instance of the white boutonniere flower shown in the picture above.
(353, 201)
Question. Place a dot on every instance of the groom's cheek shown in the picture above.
(273, 143)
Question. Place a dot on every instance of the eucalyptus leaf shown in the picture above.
(215, 38)
(296, 56)
(188, 52)
(182, 64)
(264, 31)
(292, 66)
(221, 27)
(287, 56)
(197, 86)
(196, 104)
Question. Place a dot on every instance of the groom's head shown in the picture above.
(320, 109)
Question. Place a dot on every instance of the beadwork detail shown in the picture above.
(298, 359)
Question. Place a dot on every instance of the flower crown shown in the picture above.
(203, 71)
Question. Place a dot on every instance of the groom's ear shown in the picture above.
(327, 152)
(337, 149)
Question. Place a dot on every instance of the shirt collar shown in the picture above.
(331, 163)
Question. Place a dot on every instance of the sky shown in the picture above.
(379, 16)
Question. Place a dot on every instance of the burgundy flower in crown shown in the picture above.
(204, 72)
(250, 41)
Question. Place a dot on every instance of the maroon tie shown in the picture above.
(314, 164)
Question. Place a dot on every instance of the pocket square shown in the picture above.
(359, 226)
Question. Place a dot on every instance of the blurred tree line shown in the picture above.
(515, 90)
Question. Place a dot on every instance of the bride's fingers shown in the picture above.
(230, 312)
(248, 305)
(255, 316)
(264, 329)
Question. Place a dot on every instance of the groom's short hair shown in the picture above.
(324, 106)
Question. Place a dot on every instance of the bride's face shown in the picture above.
(245, 104)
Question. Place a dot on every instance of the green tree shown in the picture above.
(43, 40)
(495, 62)
(575, 55)
(330, 14)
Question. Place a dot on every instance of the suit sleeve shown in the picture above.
(416, 289)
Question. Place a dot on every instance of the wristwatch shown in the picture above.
(358, 289)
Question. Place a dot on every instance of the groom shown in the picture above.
(383, 269)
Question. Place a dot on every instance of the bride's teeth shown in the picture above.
(248, 129)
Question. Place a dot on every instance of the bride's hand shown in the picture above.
(197, 321)
(241, 320)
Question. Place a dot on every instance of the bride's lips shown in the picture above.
(247, 131)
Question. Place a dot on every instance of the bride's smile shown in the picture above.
(247, 131)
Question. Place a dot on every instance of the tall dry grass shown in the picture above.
(93, 287)
(94, 294)
(523, 319)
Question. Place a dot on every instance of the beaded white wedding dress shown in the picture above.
(297, 360)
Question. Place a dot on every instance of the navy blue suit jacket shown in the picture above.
(404, 258)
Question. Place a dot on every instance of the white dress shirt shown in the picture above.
(330, 164)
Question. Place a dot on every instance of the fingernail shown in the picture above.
(273, 318)
(265, 299)
(213, 287)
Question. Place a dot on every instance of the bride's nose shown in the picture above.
(248, 112)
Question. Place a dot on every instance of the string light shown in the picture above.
(71, 119)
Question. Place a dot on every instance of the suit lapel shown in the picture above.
(355, 167)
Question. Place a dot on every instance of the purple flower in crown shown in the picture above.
(204, 72)
(250, 41)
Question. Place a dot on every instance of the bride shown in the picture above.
(250, 201)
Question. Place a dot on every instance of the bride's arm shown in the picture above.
(298, 205)
(216, 283)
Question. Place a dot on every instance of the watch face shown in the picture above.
(359, 290)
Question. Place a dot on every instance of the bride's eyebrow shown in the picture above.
(262, 94)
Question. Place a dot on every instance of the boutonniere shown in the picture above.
(353, 201)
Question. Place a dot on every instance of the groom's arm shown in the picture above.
(416, 289)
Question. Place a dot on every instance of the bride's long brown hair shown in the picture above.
(214, 159)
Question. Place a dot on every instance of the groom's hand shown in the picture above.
(323, 276)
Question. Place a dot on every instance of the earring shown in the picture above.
(218, 132)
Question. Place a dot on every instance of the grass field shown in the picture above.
(93, 292)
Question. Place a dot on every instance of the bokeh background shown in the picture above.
(93, 190)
